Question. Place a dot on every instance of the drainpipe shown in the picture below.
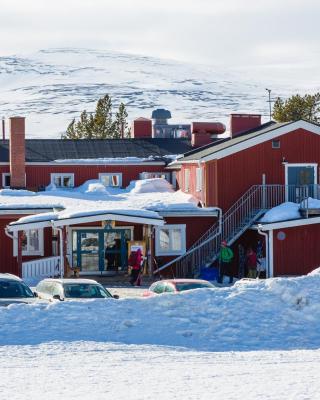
(6, 231)
(220, 219)
(61, 236)
(267, 248)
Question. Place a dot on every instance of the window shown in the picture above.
(276, 144)
(32, 243)
(187, 180)
(170, 240)
(111, 179)
(198, 179)
(152, 175)
(6, 180)
(62, 180)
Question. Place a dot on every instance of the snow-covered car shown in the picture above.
(13, 291)
(71, 289)
(176, 286)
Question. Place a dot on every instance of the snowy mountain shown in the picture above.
(52, 86)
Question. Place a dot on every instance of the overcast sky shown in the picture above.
(228, 32)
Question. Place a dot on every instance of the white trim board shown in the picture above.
(264, 137)
(287, 224)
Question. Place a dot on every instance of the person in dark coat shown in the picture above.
(135, 261)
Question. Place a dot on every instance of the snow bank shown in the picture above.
(313, 203)
(154, 185)
(16, 192)
(283, 212)
(273, 314)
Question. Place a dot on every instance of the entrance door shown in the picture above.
(88, 251)
(114, 250)
(100, 251)
(301, 180)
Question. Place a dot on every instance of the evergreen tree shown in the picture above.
(122, 129)
(99, 125)
(297, 107)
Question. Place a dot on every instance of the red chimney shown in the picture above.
(141, 128)
(202, 133)
(242, 122)
(17, 153)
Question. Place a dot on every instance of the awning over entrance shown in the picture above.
(53, 220)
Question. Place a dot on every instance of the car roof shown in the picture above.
(77, 281)
(181, 280)
(9, 277)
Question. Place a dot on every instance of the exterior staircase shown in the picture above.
(231, 225)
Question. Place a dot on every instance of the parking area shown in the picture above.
(125, 292)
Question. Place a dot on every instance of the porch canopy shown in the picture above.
(57, 220)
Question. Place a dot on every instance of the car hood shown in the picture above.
(25, 300)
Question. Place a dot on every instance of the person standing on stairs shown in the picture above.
(225, 260)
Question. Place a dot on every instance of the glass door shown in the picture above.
(114, 250)
(301, 180)
(88, 251)
(100, 251)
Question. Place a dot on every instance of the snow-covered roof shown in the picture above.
(141, 199)
(288, 211)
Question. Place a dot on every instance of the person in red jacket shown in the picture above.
(252, 261)
(135, 261)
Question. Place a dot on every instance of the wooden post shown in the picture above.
(64, 249)
(19, 254)
(151, 248)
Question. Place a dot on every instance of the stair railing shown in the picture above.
(240, 216)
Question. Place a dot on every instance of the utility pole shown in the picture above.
(269, 101)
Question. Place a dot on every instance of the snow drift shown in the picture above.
(273, 314)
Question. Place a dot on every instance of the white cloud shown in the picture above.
(228, 32)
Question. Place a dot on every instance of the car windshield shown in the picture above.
(192, 285)
(14, 289)
(85, 291)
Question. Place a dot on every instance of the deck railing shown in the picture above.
(241, 215)
(41, 268)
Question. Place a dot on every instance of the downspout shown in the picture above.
(61, 249)
(6, 231)
(265, 234)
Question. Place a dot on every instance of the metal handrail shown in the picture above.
(240, 216)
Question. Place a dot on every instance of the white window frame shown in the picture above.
(4, 175)
(187, 180)
(288, 165)
(61, 175)
(198, 179)
(170, 251)
(144, 175)
(118, 174)
(28, 252)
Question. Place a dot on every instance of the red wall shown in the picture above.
(195, 227)
(299, 252)
(8, 263)
(192, 181)
(39, 175)
(238, 172)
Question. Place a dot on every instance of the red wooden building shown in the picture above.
(234, 180)
(96, 243)
(257, 168)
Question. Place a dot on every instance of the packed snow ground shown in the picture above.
(259, 339)
(95, 371)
